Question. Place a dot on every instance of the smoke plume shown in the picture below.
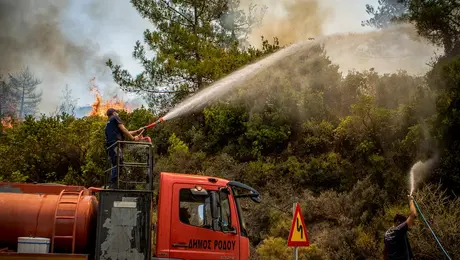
(290, 20)
(396, 48)
(32, 35)
(389, 50)
(31, 31)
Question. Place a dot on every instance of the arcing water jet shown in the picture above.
(223, 86)
(339, 46)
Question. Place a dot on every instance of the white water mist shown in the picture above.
(419, 171)
(339, 47)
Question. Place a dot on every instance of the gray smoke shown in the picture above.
(32, 35)
(31, 31)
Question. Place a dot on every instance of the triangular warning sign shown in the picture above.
(298, 234)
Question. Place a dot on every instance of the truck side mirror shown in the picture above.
(215, 210)
(253, 194)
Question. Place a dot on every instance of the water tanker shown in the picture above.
(65, 214)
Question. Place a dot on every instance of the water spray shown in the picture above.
(421, 168)
(412, 180)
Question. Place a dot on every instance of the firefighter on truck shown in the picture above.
(116, 131)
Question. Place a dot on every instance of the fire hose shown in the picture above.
(432, 232)
(161, 120)
(147, 138)
(144, 138)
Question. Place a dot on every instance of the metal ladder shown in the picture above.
(66, 198)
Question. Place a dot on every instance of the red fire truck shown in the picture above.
(197, 217)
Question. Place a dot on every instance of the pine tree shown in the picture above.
(7, 99)
(194, 43)
(25, 85)
(387, 12)
(236, 24)
(438, 21)
(69, 103)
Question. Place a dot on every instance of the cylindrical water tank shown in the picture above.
(32, 215)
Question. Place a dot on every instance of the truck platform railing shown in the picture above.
(134, 165)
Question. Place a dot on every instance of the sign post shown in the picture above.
(298, 235)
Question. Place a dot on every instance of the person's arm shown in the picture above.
(413, 212)
(136, 132)
(123, 129)
(126, 133)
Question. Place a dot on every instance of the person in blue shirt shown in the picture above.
(397, 246)
(116, 131)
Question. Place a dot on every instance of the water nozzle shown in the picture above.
(161, 120)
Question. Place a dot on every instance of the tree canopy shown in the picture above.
(193, 44)
(386, 13)
(19, 96)
(438, 21)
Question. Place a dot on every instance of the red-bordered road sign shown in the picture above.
(298, 234)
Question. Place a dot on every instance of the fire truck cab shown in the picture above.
(200, 217)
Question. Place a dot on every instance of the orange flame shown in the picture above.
(100, 107)
(7, 122)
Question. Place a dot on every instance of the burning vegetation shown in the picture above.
(7, 122)
(99, 106)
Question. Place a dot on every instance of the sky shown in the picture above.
(347, 15)
(106, 29)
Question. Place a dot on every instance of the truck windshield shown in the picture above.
(239, 191)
